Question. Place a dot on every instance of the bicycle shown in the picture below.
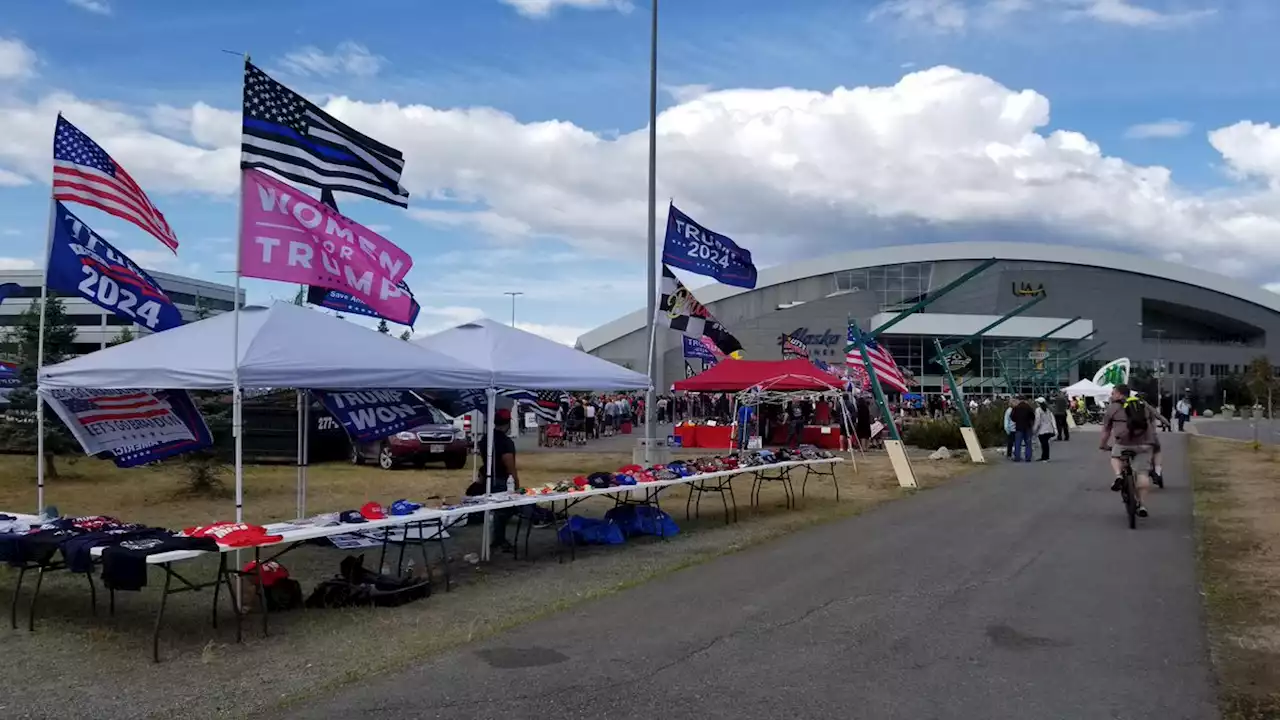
(1129, 487)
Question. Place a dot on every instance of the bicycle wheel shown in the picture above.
(1130, 498)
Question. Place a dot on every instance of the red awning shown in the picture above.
(735, 375)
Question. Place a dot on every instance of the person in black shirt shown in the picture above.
(504, 466)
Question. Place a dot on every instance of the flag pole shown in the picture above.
(654, 370)
(44, 301)
(237, 398)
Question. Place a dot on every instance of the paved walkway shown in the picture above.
(1018, 592)
(528, 442)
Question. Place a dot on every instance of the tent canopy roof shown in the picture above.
(516, 359)
(731, 375)
(1088, 388)
(281, 346)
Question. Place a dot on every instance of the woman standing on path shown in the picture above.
(1045, 428)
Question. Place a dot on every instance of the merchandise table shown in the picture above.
(294, 536)
(722, 483)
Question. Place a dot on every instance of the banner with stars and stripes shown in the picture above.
(131, 427)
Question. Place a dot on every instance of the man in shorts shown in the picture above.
(1129, 423)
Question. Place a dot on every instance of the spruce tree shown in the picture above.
(19, 433)
(125, 335)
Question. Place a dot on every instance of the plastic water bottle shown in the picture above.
(511, 485)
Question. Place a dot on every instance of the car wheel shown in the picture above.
(386, 460)
(356, 457)
(455, 462)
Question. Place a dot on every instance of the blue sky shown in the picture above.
(556, 209)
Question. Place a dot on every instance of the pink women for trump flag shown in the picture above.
(287, 235)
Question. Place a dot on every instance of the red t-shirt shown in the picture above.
(232, 534)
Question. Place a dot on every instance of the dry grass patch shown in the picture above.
(1237, 494)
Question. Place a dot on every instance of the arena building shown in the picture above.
(95, 327)
(1200, 327)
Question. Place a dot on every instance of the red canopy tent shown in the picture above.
(731, 375)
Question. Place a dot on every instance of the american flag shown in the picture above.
(882, 361)
(288, 134)
(84, 173)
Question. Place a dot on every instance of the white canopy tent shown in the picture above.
(1090, 389)
(281, 346)
(520, 360)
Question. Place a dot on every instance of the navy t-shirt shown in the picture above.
(502, 445)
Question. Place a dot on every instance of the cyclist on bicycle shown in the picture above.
(1130, 424)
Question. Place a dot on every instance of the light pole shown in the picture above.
(513, 295)
(1159, 363)
(1159, 359)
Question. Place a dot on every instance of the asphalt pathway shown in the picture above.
(1018, 592)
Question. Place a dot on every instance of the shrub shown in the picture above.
(988, 423)
(932, 434)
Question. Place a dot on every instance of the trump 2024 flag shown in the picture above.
(292, 237)
(691, 247)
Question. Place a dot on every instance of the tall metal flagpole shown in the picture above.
(44, 301)
(654, 366)
(237, 398)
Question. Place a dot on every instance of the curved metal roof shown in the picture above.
(940, 252)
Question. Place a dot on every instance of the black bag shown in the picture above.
(1136, 418)
(357, 586)
(283, 594)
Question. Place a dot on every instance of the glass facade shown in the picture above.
(989, 358)
(891, 285)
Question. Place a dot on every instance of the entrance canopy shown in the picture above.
(516, 359)
(780, 375)
(282, 346)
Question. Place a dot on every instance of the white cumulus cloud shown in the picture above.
(940, 155)
(11, 263)
(1250, 149)
(544, 8)
(1159, 129)
(17, 61)
(12, 179)
(348, 58)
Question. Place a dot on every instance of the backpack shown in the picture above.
(1136, 418)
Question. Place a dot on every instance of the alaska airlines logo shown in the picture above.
(826, 339)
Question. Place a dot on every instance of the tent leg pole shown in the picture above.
(491, 398)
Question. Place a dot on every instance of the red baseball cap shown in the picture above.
(271, 572)
(373, 511)
(501, 415)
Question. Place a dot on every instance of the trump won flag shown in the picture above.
(289, 236)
